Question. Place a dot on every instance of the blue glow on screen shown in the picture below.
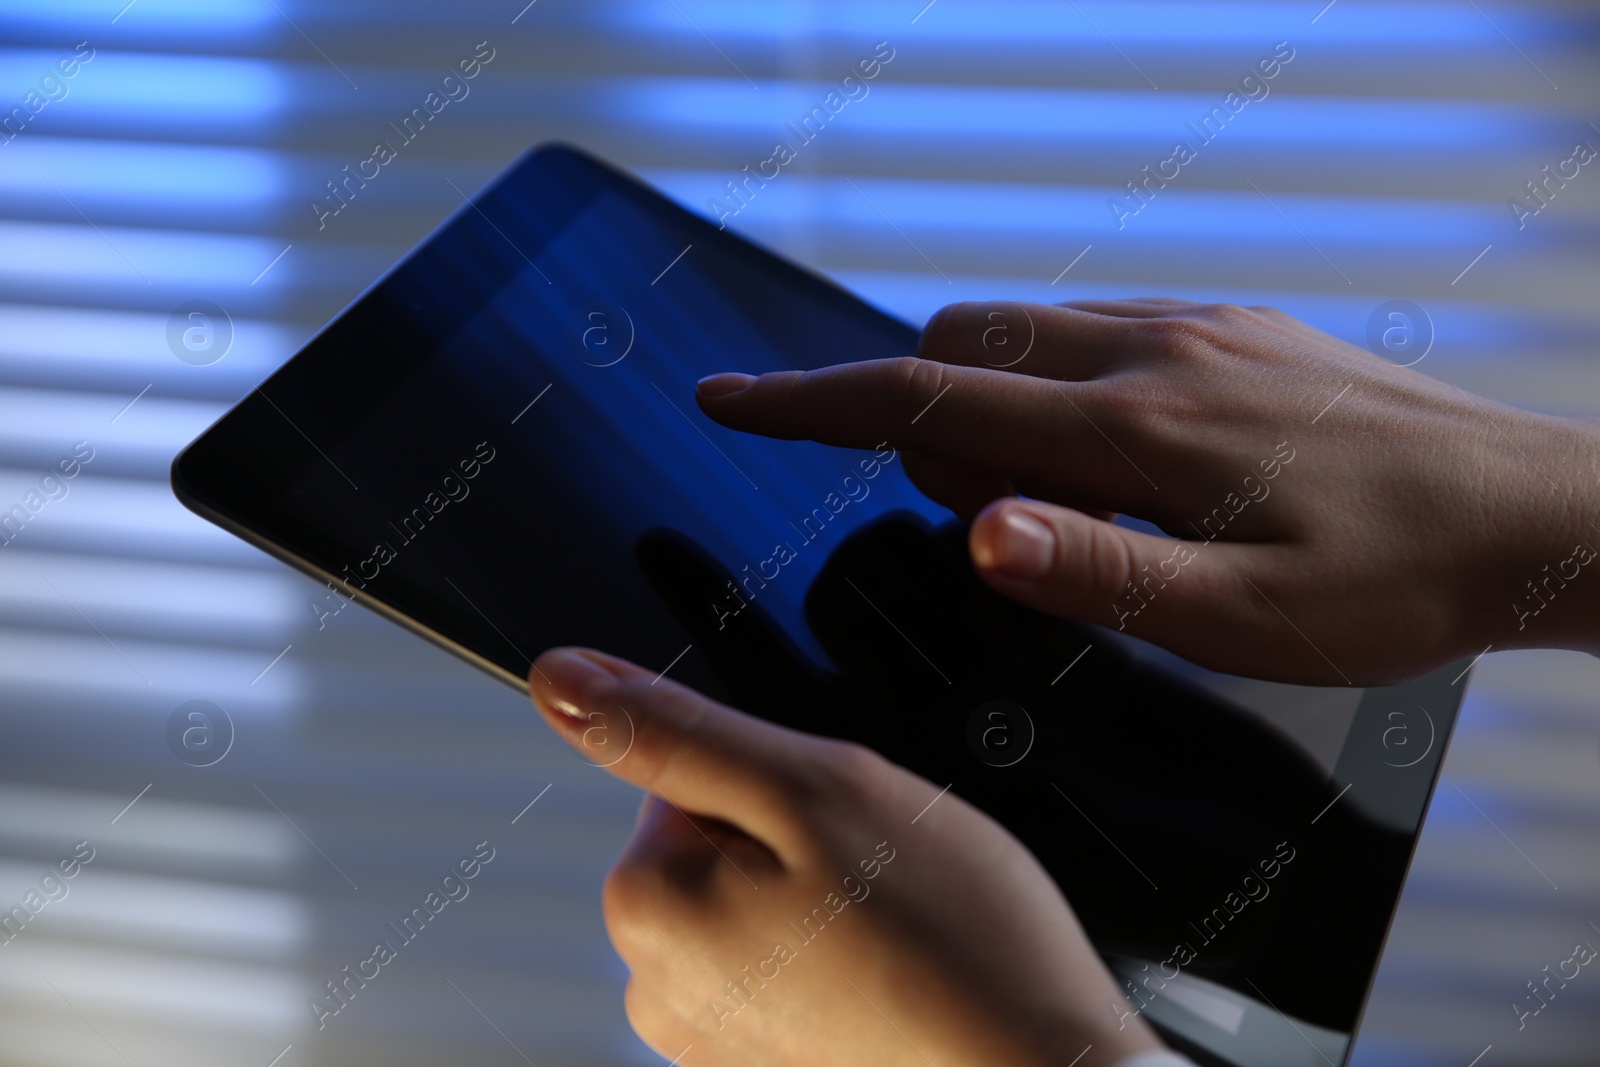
(621, 444)
(648, 453)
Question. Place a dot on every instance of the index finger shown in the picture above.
(1027, 428)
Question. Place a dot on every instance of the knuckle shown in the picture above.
(652, 734)
(626, 904)
(648, 1017)
(920, 380)
(839, 772)
(637, 1005)
(1230, 315)
(1212, 337)
(642, 898)
(851, 761)
(944, 321)
(1111, 564)
(953, 316)
(1177, 336)
(945, 331)
(905, 369)
(1198, 341)
(1278, 320)
(801, 391)
(630, 895)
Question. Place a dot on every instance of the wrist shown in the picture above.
(1111, 1046)
(1546, 590)
(1162, 1058)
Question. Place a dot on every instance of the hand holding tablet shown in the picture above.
(1409, 524)
(989, 967)
(784, 895)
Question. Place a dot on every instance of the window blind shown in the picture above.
(1006, 149)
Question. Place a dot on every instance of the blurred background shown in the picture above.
(173, 173)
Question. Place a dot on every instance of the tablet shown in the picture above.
(497, 446)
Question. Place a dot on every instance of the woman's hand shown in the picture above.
(1340, 520)
(796, 901)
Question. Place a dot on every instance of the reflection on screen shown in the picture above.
(604, 334)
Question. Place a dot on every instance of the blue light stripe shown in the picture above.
(168, 17)
(1035, 24)
(73, 256)
(140, 88)
(1479, 332)
(998, 211)
(908, 110)
(139, 174)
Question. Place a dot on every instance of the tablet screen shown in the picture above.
(500, 443)
(561, 416)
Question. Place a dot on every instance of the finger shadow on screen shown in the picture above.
(1158, 807)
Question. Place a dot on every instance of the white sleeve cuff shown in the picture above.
(1163, 1058)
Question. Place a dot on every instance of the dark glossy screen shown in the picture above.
(560, 417)
(501, 442)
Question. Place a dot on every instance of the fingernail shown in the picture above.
(1023, 547)
(723, 384)
(573, 682)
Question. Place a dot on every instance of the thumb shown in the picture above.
(700, 756)
(1069, 564)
